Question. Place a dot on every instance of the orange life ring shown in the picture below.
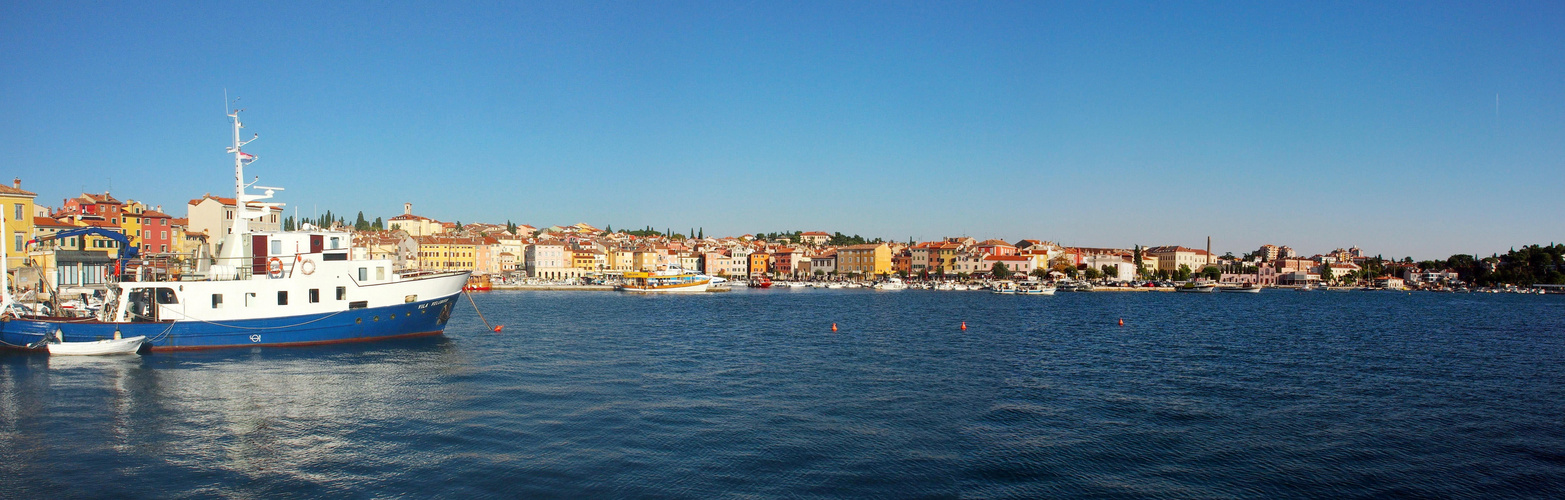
(274, 267)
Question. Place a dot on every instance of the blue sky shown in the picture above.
(1316, 125)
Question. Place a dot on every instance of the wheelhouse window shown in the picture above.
(277, 247)
(364, 274)
(315, 295)
(282, 298)
(217, 301)
(342, 293)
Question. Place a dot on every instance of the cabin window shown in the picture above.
(364, 274)
(217, 300)
(282, 298)
(277, 247)
(342, 293)
(380, 273)
(360, 304)
(315, 295)
(166, 296)
(334, 242)
(249, 298)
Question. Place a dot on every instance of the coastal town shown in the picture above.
(78, 242)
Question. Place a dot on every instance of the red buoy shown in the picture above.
(834, 327)
(964, 325)
(1122, 322)
(498, 327)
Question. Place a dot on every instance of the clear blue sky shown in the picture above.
(1315, 125)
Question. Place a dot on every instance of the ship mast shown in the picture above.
(234, 241)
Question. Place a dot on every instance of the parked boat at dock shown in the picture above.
(670, 280)
(264, 288)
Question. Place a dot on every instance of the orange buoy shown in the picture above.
(498, 327)
(1122, 322)
(964, 325)
(834, 327)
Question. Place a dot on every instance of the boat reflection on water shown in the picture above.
(283, 414)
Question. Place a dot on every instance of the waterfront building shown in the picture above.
(150, 229)
(870, 259)
(17, 206)
(1015, 263)
(783, 260)
(447, 253)
(759, 263)
(995, 247)
(546, 259)
(1169, 258)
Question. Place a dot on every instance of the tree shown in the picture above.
(360, 224)
(1092, 273)
(701, 233)
(288, 224)
(378, 225)
(1140, 269)
(1110, 271)
(999, 270)
(1212, 273)
(1325, 273)
(1183, 274)
(1041, 273)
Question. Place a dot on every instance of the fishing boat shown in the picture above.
(673, 279)
(263, 288)
(761, 282)
(1035, 288)
(1248, 287)
(1005, 287)
(1193, 287)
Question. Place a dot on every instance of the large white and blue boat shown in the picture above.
(263, 288)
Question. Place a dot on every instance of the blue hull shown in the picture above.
(357, 325)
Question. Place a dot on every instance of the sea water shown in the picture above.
(751, 394)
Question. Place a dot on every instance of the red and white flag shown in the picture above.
(247, 157)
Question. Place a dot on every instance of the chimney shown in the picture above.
(407, 209)
(16, 183)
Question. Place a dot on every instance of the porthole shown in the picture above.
(358, 321)
(377, 318)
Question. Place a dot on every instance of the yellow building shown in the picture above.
(867, 260)
(589, 259)
(18, 213)
(446, 253)
(130, 221)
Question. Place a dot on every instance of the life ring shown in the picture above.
(274, 267)
(307, 267)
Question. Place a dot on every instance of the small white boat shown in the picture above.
(891, 284)
(98, 347)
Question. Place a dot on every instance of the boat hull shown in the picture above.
(698, 287)
(411, 319)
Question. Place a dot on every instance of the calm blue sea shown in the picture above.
(750, 394)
